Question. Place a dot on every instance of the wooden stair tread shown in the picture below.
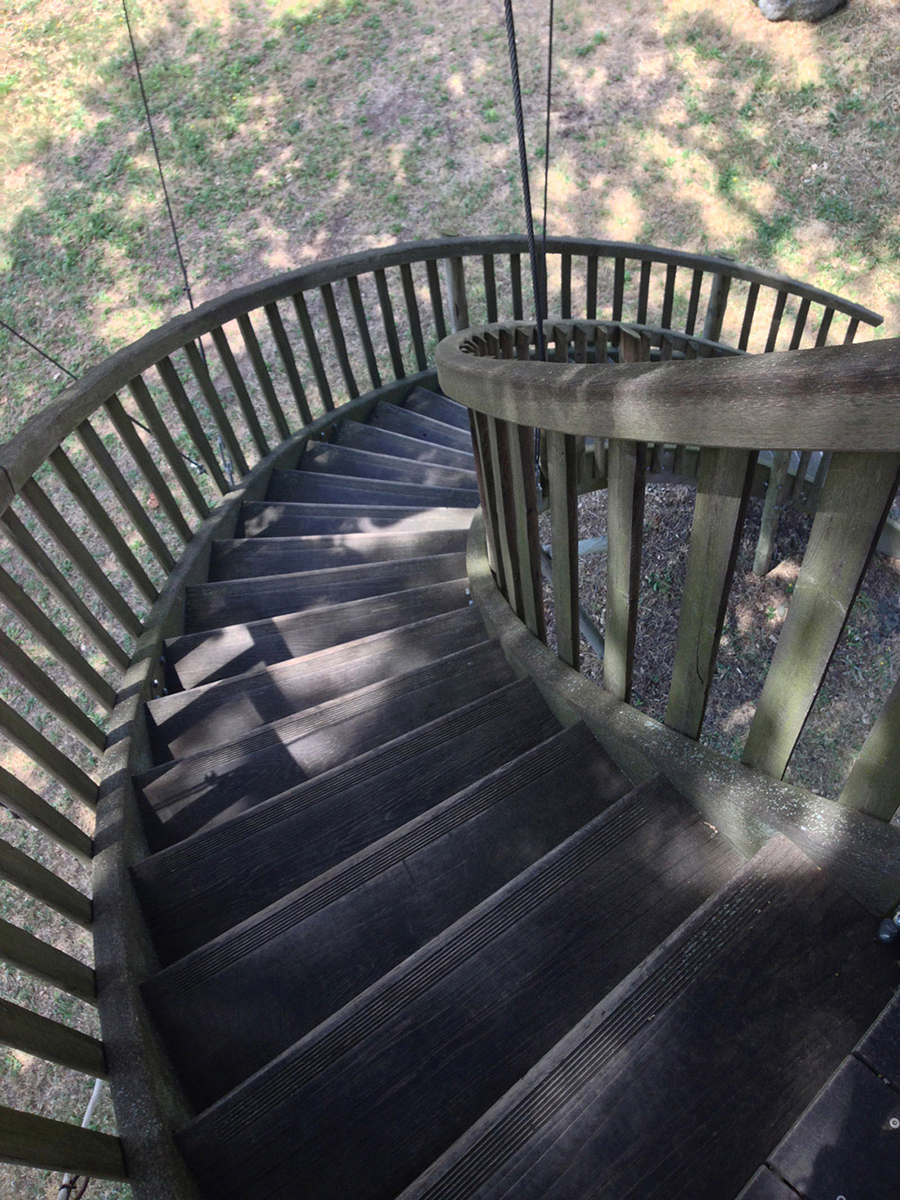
(182, 797)
(197, 658)
(233, 601)
(340, 932)
(264, 518)
(236, 558)
(190, 893)
(336, 459)
(395, 419)
(386, 441)
(766, 1185)
(185, 722)
(690, 1070)
(315, 487)
(441, 408)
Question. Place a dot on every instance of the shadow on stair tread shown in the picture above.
(337, 459)
(266, 518)
(197, 658)
(325, 942)
(314, 487)
(402, 445)
(187, 722)
(439, 407)
(690, 1071)
(191, 794)
(236, 558)
(233, 601)
(396, 419)
(190, 893)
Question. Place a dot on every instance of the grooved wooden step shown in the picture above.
(237, 558)
(234, 601)
(440, 408)
(260, 518)
(766, 1185)
(401, 445)
(415, 424)
(313, 487)
(335, 459)
(190, 893)
(694, 1066)
(185, 723)
(321, 945)
(410, 1063)
(198, 658)
(194, 793)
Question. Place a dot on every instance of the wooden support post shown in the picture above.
(627, 465)
(456, 290)
(525, 499)
(562, 471)
(873, 785)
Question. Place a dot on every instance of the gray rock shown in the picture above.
(798, 10)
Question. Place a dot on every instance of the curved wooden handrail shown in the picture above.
(834, 398)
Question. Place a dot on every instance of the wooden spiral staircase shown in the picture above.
(390, 902)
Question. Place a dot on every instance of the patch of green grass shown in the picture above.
(599, 39)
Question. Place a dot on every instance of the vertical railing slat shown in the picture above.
(799, 325)
(626, 469)
(778, 473)
(562, 473)
(263, 378)
(178, 465)
(456, 291)
(286, 354)
(413, 315)
(565, 286)
(338, 339)
(668, 296)
(749, 312)
(873, 785)
(775, 323)
(723, 490)
(490, 287)
(515, 281)
(175, 388)
(437, 300)
(644, 291)
(690, 324)
(387, 320)
(856, 498)
(312, 350)
(484, 470)
(525, 500)
(824, 327)
(362, 328)
(239, 387)
(200, 370)
(590, 307)
(501, 467)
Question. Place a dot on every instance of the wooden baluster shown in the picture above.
(873, 786)
(27, 953)
(775, 323)
(690, 323)
(57, 1146)
(30, 807)
(103, 523)
(851, 331)
(618, 297)
(723, 490)
(800, 478)
(191, 422)
(856, 498)
(601, 349)
(490, 287)
(778, 473)
(484, 470)
(815, 492)
(525, 501)
(286, 354)
(74, 549)
(35, 619)
(668, 296)
(515, 279)
(338, 340)
(590, 306)
(31, 877)
(562, 473)
(499, 451)
(627, 466)
(47, 571)
(644, 291)
(362, 326)
(799, 325)
(239, 387)
(312, 349)
(200, 371)
(109, 469)
(263, 378)
(387, 320)
(749, 311)
(125, 428)
(715, 310)
(456, 290)
(824, 327)
(47, 756)
(565, 296)
(412, 313)
(42, 1038)
(437, 301)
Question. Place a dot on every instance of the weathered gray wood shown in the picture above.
(590, 297)
(362, 327)
(775, 324)
(690, 323)
(626, 465)
(239, 385)
(312, 350)
(437, 301)
(618, 296)
(339, 341)
(723, 490)
(34, 1141)
(36, 1035)
(191, 422)
(109, 469)
(456, 289)
(105, 526)
(286, 354)
(484, 471)
(668, 296)
(29, 875)
(562, 472)
(852, 326)
(47, 571)
(824, 327)
(799, 325)
(507, 544)
(873, 785)
(412, 313)
(21, 800)
(178, 465)
(778, 474)
(565, 294)
(855, 501)
(387, 320)
(35, 681)
(29, 954)
(715, 310)
(263, 378)
(45, 630)
(799, 485)
(525, 500)
(197, 362)
(749, 310)
(46, 755)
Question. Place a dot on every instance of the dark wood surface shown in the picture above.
(262, 518)
(393, 418)
(766, 1185)
(880, 1048)
(440, 408)
(312, 487)
(338, 459)
(402, 445)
